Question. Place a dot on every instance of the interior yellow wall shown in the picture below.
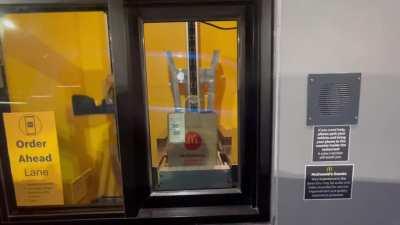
(48, 58)
(159, 38)
(162, 37)
(226, 42)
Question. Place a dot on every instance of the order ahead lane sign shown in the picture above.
(34, 158)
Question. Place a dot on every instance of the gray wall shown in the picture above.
(320, 36)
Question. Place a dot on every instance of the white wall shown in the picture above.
(329, 36)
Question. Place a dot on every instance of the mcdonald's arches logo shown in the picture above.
(192, 141)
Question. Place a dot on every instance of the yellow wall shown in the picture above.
(48, 58)
(159, 38)
(225, 41)
(162, 37)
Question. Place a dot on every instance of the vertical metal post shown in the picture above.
(193, 69)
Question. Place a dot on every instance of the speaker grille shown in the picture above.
(333, 99)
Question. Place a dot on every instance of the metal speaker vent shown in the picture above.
(333, 99)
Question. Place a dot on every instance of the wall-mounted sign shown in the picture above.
(328, 182)
(34, 158)
(331, 143)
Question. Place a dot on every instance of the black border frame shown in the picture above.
(138, 16)
(131, 128)
(255, 176)
(8, 210)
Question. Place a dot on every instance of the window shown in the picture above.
(135, 111)
(59, 121)
(174, 47)
(192, 102)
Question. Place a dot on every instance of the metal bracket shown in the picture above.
(181, 76)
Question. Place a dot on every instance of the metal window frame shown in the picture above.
(257, 122)
(127, 117)
(8, 210)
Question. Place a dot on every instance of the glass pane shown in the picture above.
(59, 118)
(192, 85)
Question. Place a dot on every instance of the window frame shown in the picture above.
(8, 209)
(260, 13)
(175, 13)
(255, 189)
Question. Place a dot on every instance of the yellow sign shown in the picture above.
(34, 158)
